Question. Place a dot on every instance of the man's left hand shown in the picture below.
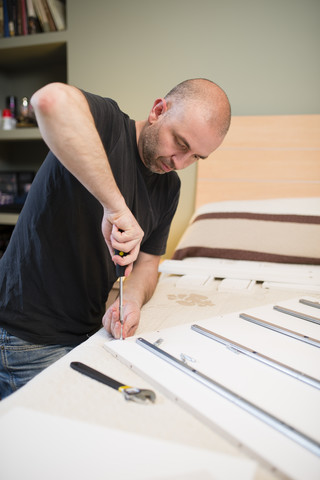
(131, 317)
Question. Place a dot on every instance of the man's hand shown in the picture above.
(131, 317)
(122, 232)
(138, 289)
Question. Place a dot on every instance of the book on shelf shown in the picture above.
(32, 19)
(20, 18)
(42, 15)
(51, 14)
(5, 19)
(13, 14)
(1, 19)
(58, 11)
(25, 17)
(12, 17)
(17, 18)
(52, 25)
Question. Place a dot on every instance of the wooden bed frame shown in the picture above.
(263, 157)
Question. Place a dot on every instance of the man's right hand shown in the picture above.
(122, 232)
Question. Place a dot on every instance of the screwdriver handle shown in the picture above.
(119, 268)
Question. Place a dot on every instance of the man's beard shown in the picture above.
(149, 139)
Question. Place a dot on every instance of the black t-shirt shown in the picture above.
(56, 273)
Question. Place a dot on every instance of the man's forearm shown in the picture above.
(68, 128)
(141, 284)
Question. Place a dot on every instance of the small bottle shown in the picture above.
(7, 123)
(11, 103)
(24, 107)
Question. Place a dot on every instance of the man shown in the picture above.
(107, 183)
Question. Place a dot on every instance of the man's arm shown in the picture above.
(67, 126)
(138, 289)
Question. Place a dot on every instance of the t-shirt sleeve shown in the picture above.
(106, 114)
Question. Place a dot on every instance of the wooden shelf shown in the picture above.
(17, 134)
(35, 39)
(26, 50)
(8, 218)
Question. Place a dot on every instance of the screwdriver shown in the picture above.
(120, 274)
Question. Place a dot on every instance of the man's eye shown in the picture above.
(181, 145)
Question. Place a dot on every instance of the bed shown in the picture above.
(264, 250)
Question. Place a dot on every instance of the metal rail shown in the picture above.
(238, 348)
(305, 441)
(294, 313)
(285, 331)
(310, 303)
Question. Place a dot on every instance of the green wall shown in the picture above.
(264, 53)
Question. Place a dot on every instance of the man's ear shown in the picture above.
(159, 108)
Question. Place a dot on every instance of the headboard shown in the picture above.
(258, 195)
(263, 157)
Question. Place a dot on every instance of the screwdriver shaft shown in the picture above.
(121, 307)
(120, 272)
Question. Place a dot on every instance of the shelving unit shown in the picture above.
(26, 64)
(29, 62)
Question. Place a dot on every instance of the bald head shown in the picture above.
(188, 124)
(205, 95)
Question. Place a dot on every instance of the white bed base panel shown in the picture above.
(245, 270)
(284, 397)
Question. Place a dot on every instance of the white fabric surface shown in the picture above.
(87, 451)
(61, 391)
(289, 206)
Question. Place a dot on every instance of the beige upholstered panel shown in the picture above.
(263, 157)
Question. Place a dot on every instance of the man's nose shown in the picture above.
(181, 160)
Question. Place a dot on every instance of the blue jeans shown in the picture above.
(20, 361)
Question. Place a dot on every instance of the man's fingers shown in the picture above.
(131, 330)
(116, 331)
(126, 261)
(110, 318)
(123, 233)
(112, 323)
(124, 242)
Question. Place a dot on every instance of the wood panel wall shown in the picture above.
(263, 157)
